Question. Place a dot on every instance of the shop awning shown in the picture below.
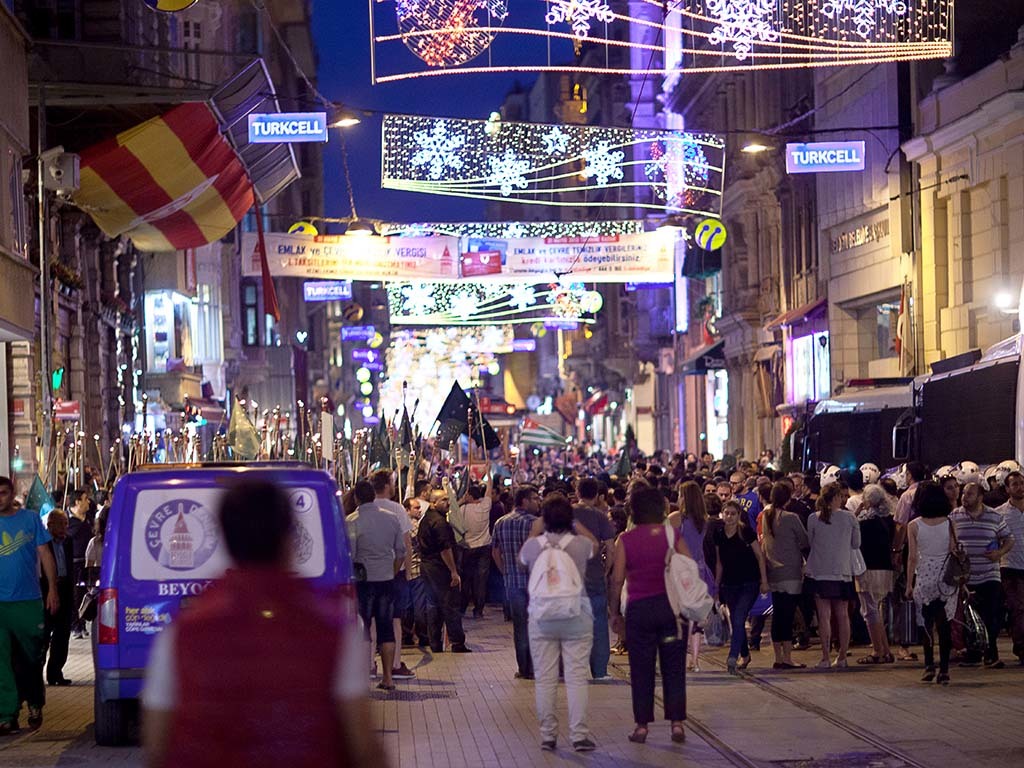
(710, 357)
(596, 403)
(799, 315)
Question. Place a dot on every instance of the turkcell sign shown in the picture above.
(365, 356)
(561, 325)
(327, 290)
(357, 332)
(287, 127)
(825, 157)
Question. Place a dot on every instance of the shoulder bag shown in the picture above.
(957, 568)
(686, 590)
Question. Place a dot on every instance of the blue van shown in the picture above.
(163, 546)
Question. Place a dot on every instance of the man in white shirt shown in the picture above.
(476, 557)
(384, 486)
(1012, 564)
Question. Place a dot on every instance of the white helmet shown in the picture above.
(870, 472)
(1005, 468)
(899, 476)
(967, 472)
(829, 475)
(944, 471)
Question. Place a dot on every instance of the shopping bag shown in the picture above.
(904, 622)
(715, 628)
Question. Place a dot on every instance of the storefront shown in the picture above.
(709, 364)
(806, 350)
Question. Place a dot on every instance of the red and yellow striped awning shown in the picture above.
(172, 182)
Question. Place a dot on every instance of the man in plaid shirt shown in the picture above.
(510, 533)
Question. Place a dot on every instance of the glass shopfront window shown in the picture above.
(718, 412)
(808, 368)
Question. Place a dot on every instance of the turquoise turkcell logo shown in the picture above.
(710, 234)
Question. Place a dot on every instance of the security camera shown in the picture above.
(61, 172)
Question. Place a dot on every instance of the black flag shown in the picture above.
(454, 419)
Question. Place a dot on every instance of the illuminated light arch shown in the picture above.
(716, 35)
(566, 165)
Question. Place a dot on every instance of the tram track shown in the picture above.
(699, 727)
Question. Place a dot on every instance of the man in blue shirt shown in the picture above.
(510, 533)
(23, 541)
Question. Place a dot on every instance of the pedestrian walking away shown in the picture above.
(511, 531)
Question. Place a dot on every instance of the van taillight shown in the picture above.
(106, 616)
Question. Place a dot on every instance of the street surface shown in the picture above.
(467, 710)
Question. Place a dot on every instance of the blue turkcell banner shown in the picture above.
(287, 127)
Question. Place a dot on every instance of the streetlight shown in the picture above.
(1004, 301)
(342, 117)
(754, 148)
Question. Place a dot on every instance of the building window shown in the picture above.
(207, 343)
(250, 315)
(19, 241)
(886, 317)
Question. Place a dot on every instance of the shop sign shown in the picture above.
(862, 235)
(67, 410)
(287, 127)
(327, 290)
(825, 157)
(357, 332)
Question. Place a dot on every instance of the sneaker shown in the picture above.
(929, 675)
(823, 664)
(942, 679)
(730, 664)
(403, 672)
(994, 664)
(35, 717)
(77, 635)
(461, 648)
(969, 664)
(840, 663)
(548, 746)
(521, 676)
(602, 679)
(584, 745)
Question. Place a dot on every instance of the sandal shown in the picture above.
(678, 733)
(639, 734)
(744, 663)
(872, 659)
(888, 659)
(385, 686)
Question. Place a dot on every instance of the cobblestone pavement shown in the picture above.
(468, 710)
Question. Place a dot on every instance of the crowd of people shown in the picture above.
(576, 558)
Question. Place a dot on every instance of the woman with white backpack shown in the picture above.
(640, 557)
(561, 622)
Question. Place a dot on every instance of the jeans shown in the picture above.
(988, 602)
(935, 622)
(652, 631)
(518, 600)
(447, 600)
(739, 598)
(422, 610)
(1013, 590)
(546, 648)
(476, 565)
(783, 611)
(601, 651)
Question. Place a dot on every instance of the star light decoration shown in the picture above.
(456, 36)
(483, 303)
(541, 164)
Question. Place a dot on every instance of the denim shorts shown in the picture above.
(377, 604)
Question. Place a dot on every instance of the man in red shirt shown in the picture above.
(260, 671)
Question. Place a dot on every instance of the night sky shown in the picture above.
(343, 43)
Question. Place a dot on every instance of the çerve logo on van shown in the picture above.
(181, 535)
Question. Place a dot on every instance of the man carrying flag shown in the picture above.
(455, 421)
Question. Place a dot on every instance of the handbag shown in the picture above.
(904, 622)
(87, 610)
(715, 628)
(956, 569)
(686, 590)
(857, 564)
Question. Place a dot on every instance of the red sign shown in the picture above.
(69, 410)
(481, 263)
(17, 408)
(489, 405)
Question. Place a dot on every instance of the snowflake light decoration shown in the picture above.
(556, 141)
(418, 299)
(464, 305)
(742, 22)
(438, 149)
(522, 296)
(578, 14)
(515, 229)
(602, 163)
(864, 12)
(681, 165)
(508, 171)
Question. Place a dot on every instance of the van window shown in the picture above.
(175, 535)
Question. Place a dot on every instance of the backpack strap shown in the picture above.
(564, 541)
(671, 543)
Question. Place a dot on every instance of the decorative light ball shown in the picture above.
(446, 33)
(367, 411)
(366, 388)
(376, 341)
(538, 330)
(353, 312)
(494, 368)
(362, 374)
(591, 301)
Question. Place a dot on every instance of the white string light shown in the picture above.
(717, 35)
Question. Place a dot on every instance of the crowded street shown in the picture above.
(464, 711)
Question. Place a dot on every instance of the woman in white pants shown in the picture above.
(568, 638)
